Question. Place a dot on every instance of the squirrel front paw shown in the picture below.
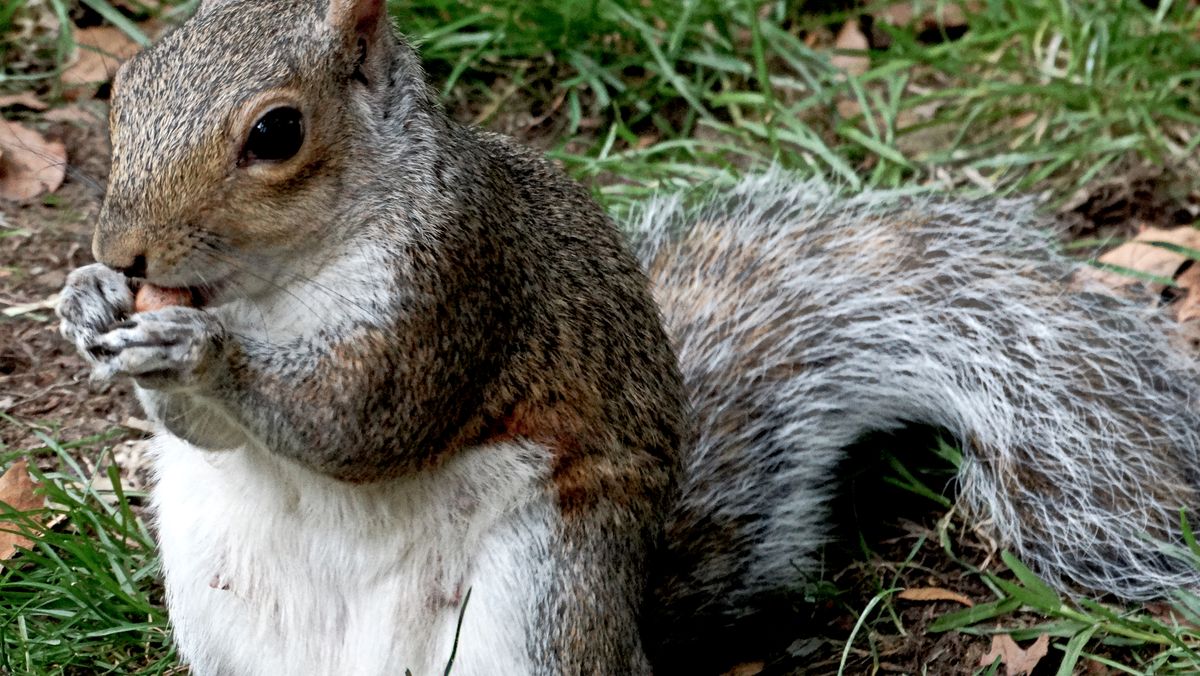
(94, 298)
(162, 349)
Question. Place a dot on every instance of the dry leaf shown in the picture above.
(16, 491)
(72, 113)
(934, 594)
(1016, 660)
(951, 15)
(99, 52)
(47, 303)
(1137, 254)
(943, 15)
(746, 669)
(139, 6)
(144, 426)
(1186, 339)
(851, 37)
(646, 140)
(26, 99)
(847, 107)
(1188, 308)
(1024, 120)
(29, 164)
(1163, 611)
(899, 15)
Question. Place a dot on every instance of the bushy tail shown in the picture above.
(804, 322)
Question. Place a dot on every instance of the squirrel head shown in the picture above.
(239, 139)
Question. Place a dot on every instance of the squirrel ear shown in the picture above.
(358, 19)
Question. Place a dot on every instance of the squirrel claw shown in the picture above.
(93, 298)
(160, 349)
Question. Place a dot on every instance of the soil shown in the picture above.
(43, 382)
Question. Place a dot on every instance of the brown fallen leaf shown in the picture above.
(952, 15)
(1166, 613)
(1016, 660)
(847, 107)
(19, 309)
(1024, 120)
(851, 38)
(72, 113)
(1138, 254)
(646, 140)
(139, 6)
(899, 15)
(29, 164)
(746, 669)
(942, 15)
(934, 594)
(26, 99)
(1182, 301)
(16, 491)
(1187, 308)
(99, 52)
(140, 425)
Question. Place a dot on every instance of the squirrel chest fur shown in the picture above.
(427, 380)
(274, 569)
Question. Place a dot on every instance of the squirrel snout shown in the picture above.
(128, 258)
(137, 268)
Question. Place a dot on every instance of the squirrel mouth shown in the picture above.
(197, 296)
(203, 295)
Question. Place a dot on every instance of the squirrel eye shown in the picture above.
(275, 137)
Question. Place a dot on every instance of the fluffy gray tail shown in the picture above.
(804, 322)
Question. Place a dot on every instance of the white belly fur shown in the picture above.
(272, 569)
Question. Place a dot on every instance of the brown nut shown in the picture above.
(150, 297)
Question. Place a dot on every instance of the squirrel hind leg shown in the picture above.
(742, 539)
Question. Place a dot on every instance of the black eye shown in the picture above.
(276, 136)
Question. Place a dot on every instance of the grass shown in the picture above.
(1037, 96)
(1164, 645)
(86, 597)
(1083, 634)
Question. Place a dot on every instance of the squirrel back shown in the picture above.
(805, 321)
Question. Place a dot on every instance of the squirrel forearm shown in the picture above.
(265, 395)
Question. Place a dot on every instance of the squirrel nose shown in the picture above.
(122, 250)
(137, 268)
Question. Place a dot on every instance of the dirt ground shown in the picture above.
(43, 382)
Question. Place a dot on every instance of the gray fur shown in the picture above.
(804, 321)
(95, 297)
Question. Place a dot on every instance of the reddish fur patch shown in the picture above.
(581, 473)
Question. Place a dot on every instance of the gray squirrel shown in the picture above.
(420, 377)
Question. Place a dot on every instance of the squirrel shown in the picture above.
(429, 405)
